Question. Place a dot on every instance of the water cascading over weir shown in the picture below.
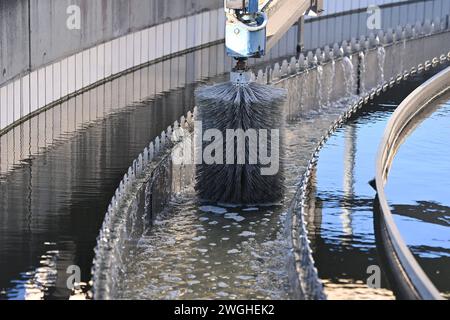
(86, 116)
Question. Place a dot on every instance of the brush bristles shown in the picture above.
(229, 106)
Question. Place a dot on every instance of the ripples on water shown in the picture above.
(52, 204)
(208, 252)
(418, 190)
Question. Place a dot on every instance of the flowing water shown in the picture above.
(362, 72)
(349, 75)
(59, 170)
(381, 54)
(212, 251)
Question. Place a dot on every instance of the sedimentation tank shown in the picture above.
(78, 107)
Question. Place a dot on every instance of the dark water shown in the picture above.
(418, 190)
(341, 215)
(52, 204)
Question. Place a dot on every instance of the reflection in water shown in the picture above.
(60, 196)
(419, 192)
(59, 169)
(342, 232)
(34, 283)
(348, 187)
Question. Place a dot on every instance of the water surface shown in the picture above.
(418, 190)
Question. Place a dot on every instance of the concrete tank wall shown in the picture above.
(14, 39)
(327, 30)
(29, 92)
(101, 21)
(119, 35)
(312, 89)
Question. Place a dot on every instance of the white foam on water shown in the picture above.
(234, 216)
(247, 234)
(213, 209)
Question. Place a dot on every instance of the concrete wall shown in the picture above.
(104, 20)
(117, 35)
(319, 32)
(14, 39)
(101, 21)
(307, 91)
(32, 91)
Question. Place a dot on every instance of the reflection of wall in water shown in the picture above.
(41, 131)
(147, 83)
(314, 213)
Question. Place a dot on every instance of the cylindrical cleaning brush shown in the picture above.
(241, 141)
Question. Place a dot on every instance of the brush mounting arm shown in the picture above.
(254, 26)
(283, 14)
